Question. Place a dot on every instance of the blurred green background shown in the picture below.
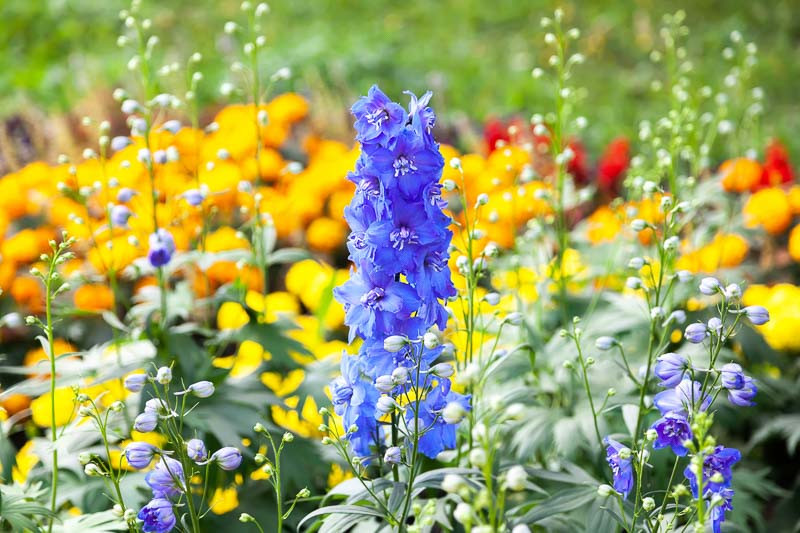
(475, 54)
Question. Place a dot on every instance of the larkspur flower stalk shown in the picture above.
(54, 284)
(273, 468)
(565, 98)
(399, 245)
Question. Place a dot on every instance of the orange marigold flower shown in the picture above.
(740, 174)
(794, 243)
(326, 234)
(28, 293)
(770, 209)
(93, 297)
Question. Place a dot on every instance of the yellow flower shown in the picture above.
(277, 304)
(603, 225)
(283, 385)
(794, 243)
(326, 234)
(231, 315)
(25, 461)
(224, 500)
(338, 475)
(247, 360)
(770, 209)
(783, 303)
(64, 402)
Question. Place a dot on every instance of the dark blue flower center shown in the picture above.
(373, 297)
(403, 165)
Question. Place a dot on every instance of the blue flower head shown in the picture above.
(378, 119)
(437, 434)
(354, 399)
(672, 430)
(720, 461)
(158, 516)
(684, 398)
(621, 467)
(166, 479)
(162, 246)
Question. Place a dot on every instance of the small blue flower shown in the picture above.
(757, 315)
(125, 194)
(228, 458)
(393, 455)
(672, 430)
(135, 382)
(120, 215)
(194, 197)
(158, 516)
(718, 512)
(709, 286)
(437, 434)
(685, 397)
(120, 142)
(743, 397)
(720, 461)
(145, 422)
(731, 376)
(196, 450)
(696, 332)
(355, 399)
(378, 119)
(140, 454)
(621, 468)
(162, 246)
(715, 325)
(166, 479)
(670, 369)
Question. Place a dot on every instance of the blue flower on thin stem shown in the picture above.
(378, 119)
(621, 467)
(166, 479)
(684, 398)
(437, 434)
(743, 396)
(672, 430)
(157, 516)
(670, 369)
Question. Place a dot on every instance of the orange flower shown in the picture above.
(794, 243)
(770, 209)
(93, 297)
(740, 174)
(28, 293)
(326, 234)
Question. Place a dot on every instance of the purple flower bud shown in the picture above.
(125, 194)
(731, 376)
(158, 516)
(194, 197)
(201, 389)
(120, 142)
(145, 422)
(120, 215)
(160, 157)
(696, 333)
(679, 317)
(143, 156)
(140, 454)
(135, 382)
(130, 106)
(228, 458)
(709, 286)
(743, 397)
(162, 246)
(392, 456)
(605, 343)
(715, 325)
(670, 368)
(684, 276)
(757, 314)
(196, 450)
(172, 126)
(384, 383)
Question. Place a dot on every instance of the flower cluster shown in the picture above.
(399, 246)
(168, 479)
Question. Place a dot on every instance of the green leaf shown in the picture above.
(341, 509)
(561, 502)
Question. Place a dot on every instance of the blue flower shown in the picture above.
(696, 332)
(682, 399)
(743, 397)
(672, 430)
(162, 246)
(196, 450)
(422, 117)
(621, 468)
(718, 511)
(670, 369)
(757, 315)
(120, 215)
(437, 434)
(709, 286)
(373, 307)
(409, 167)
(378, 119)
(166, 479)
(719, 461)
(228, 458)
(354, 399)
(145, 422)
(731, 376)
(158, 516)
(402, 242)
(140, 454)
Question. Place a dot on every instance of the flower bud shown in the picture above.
(453, 483)
(516, 478)
(442, 370)
(648, 504)
(605, 343)
(394, 343)
(463, 513)
(228, 458)
(164, 375)
(392, 455)
(453, 413)
(477, 458)
(605, 490)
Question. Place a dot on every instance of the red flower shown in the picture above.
(577, 166)
(613, 164)
(494, 131)
(777, 169)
